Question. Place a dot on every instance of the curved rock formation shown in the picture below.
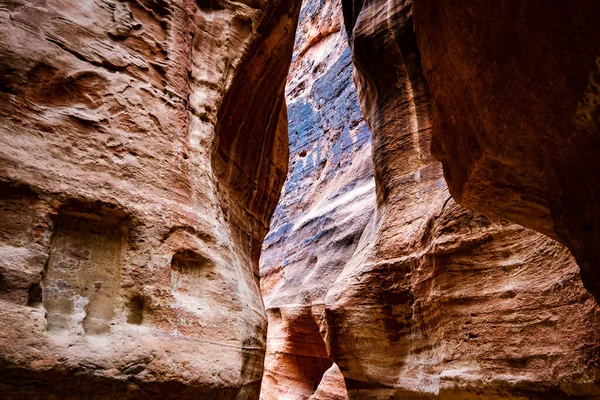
(515, 89)
(144, 145)
(439, 302)
(427, 300)
(328, 199)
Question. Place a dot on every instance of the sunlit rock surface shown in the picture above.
(144, 146)
(327, 201)
(435, 301)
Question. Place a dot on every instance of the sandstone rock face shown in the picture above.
(144, 146)
(515, 89)
(437, 301)
(427, 300)
(327, 201)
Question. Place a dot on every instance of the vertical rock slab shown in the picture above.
(327, 201)
(516, 120)
(144, 146)
(438, 301)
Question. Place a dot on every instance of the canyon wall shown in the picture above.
(327, 201)
(440, 301)
(144, 146)
(515, 90)
(430, 300)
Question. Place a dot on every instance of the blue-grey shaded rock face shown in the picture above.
(327, 201)
(330, 166)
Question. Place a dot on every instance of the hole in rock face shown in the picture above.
(34, 295)
(190, 272)
(307, 358)
(209, 5)
(135, 315)
(161, 7)
(3, 284)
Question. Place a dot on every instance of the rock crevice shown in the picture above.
(424, 299)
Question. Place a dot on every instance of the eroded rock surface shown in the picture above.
(515, 89)
(428, 300)
(144, 146)
(437, 301)
(327, 201)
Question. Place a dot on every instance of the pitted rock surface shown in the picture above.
(144, 146)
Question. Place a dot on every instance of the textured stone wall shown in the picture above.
(144, 146)
(327, 201)
(515, 88)
(439, 301)
(430, 300)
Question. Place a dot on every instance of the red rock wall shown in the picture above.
(144, 145)
(443, 302)
(435, 301)
(516, 120)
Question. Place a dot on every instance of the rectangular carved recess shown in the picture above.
(191, 273)
(83, 275)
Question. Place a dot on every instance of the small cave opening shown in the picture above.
(135, 315)
(34, 295)
(3, 284)
(308, 358)
(206, 5)
(297, 358)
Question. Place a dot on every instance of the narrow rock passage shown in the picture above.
(327, 201)
(143, 149)
(414, 296)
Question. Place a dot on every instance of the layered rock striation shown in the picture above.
(327, 201)
(144, 146)
(431, 300)
(439, 301)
